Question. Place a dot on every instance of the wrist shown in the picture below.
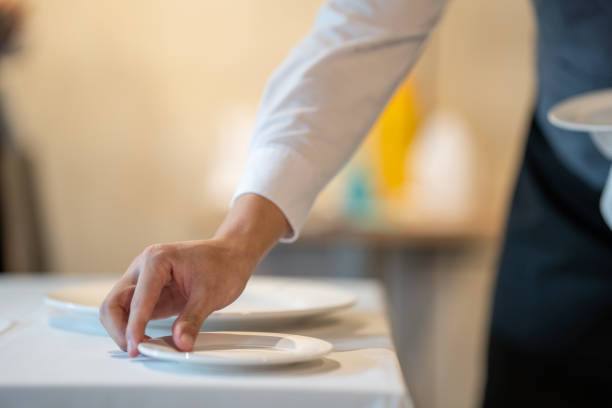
(241, 249)
(253, 226)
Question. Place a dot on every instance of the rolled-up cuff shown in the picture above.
(285, 178)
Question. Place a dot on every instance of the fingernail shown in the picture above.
(187, 339)
(130, 346)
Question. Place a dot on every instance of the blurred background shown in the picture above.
(127, 123)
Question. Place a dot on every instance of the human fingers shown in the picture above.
(114, 312)
(187, 325)
(153, 277)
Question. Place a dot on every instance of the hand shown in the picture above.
(193, 278)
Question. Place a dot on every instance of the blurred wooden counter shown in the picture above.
(386, 229)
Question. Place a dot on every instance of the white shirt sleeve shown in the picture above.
(322, 100)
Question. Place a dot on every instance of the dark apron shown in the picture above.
(551, 330)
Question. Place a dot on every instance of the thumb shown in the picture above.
(187, 325)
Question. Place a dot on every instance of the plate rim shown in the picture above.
(555, 119)
(226, 316)
(191, 358)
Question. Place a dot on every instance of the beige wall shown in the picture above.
(485, 73)
(482, 55)
(126, 106)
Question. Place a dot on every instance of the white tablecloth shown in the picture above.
(58, 360)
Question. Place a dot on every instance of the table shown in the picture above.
(53, 359)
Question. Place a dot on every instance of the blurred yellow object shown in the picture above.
(390, 139)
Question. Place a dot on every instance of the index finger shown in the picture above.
(114, 312)
(151, 281)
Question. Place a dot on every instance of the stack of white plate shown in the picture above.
(265, 301)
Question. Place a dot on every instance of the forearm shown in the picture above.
(254, 224)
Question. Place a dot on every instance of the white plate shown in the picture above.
(588, 112)
(239, 349)
(264, 298)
